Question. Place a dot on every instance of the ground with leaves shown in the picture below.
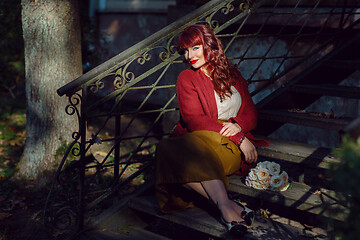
(21, 202)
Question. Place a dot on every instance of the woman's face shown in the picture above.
(195, 56)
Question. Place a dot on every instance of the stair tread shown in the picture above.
(304, 119)
(192, 217)
(299, 196)
(128, 232)
(328, 90)
(202, 221)
(308, 155)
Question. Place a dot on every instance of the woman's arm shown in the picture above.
(191, 109)
(247, 116)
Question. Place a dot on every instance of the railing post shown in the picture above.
(117, 143)
(82, 157)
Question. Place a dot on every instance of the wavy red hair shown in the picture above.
(221, 71)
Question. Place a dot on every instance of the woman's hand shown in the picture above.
(230, 129)
(249, 151)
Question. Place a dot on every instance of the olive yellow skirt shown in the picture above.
(194, 157)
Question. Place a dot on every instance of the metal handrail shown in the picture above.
(133, 52)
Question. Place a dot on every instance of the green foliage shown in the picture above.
(12, 138)
(11, 44)
(346, 177)
(60, 152)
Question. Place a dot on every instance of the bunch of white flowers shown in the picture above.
(266, 175)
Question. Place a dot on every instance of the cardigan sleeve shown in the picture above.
(247, 115)
(191, 109)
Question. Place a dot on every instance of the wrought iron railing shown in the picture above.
(125, 105)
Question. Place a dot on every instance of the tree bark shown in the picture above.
(51, 31)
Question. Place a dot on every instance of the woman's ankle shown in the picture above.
(237, 208)
(228, 212)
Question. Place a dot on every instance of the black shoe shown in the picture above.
(237, 229)
(248, 214)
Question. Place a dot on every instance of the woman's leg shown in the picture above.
(197, 187)
(215, 191)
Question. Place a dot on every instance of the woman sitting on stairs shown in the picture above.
(213, 134)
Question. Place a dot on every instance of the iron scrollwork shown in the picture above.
(122, 76)
(99, 84)
(74, 101)
(245, 6)
(170, 50)
(144, 58)
(228, 8)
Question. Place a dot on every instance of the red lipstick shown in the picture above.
(194, 61)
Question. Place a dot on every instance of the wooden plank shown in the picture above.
(202, 221)
(302, 197)
(114, 209)
(192, 217)
(353, 129)
(310, 156)
(304, 119)
(123, 233)
(328, 90)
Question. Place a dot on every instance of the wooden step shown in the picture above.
(328, 90)
(304, 154)
(300, 196)
(353, 129)
(200, 220)
(304, 119)
(123, 233)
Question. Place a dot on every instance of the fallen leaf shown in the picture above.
(21, 134)
(317, 192)
(124, 229)
(35, 215)
(21, 198)
(2, 198)
(264, 213)
(15, 142)
(100, 153)
(4, 215)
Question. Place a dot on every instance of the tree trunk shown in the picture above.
(51, 31)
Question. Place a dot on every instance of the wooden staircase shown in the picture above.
(301, 212)
(309, 207)
(307, 210)
(310, 200)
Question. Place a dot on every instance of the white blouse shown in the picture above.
(229, 107)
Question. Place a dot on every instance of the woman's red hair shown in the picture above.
(217, 64)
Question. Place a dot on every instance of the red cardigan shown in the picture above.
(198, 110)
